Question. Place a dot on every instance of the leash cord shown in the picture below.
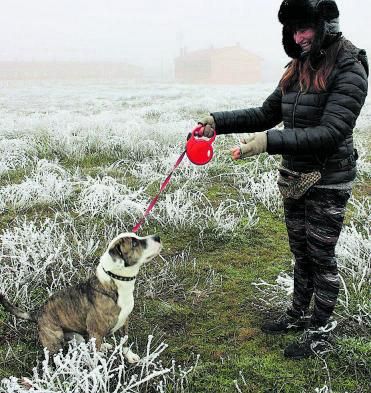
(155, 199)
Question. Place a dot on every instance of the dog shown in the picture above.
(100, 306)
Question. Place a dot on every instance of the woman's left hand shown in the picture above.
(236, 153)
(254, 144)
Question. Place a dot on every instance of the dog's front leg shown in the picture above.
(125, 328)
(96, 328)
(130, 356)
(99, 344)
(98, 339)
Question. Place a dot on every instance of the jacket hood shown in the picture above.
(322, 15)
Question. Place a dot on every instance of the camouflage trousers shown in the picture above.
(313, 224)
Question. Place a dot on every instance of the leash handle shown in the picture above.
(196, 130)
(155, 199)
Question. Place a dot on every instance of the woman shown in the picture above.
(319, 98)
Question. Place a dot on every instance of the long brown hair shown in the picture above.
(306, 75)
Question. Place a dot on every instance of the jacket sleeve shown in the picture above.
(346, 98)
(253, 119)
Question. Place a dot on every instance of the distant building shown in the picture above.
(229, 65)
(68, 70)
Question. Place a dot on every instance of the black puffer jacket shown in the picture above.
(318, 127)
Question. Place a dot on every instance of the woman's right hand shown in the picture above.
(209, 126)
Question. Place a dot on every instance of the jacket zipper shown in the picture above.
(293, 120)
(295, 105)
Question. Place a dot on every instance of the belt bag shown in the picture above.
(295, 184)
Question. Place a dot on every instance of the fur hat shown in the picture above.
(322, 15)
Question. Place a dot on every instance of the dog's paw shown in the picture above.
(105, 347)
(131, 357)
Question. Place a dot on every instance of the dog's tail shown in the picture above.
(15, 310)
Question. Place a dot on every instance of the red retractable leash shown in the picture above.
(199, 151)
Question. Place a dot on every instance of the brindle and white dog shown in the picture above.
(100, 306)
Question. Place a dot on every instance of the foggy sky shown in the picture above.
(150, 32)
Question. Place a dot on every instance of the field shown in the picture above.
(80, 162)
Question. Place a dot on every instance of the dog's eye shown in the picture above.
(134, 242)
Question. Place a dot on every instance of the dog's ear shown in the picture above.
(121, 249)
(129, 243)
(126, 244)
(115, 252)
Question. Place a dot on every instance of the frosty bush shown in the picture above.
(14, 154)
(361, 209)
(48, 184)
(83, 369)
(225, 218)
(106, 197)
(182, 209)
(262, 189)
(48, 255)
(362, 142)
(192, 209)
(354, 250)
(275, 296)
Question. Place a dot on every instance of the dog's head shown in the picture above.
(127, 252)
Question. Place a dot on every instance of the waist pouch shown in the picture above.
(295, 184)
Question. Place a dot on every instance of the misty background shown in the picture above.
(151, 34)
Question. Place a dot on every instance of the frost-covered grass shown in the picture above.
(48, 184)
(44, 256)
(80, 163)
(178, 277)
(15, 153)
(108, 197)
(84, 369)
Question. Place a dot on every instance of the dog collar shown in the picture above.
(121, 278)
